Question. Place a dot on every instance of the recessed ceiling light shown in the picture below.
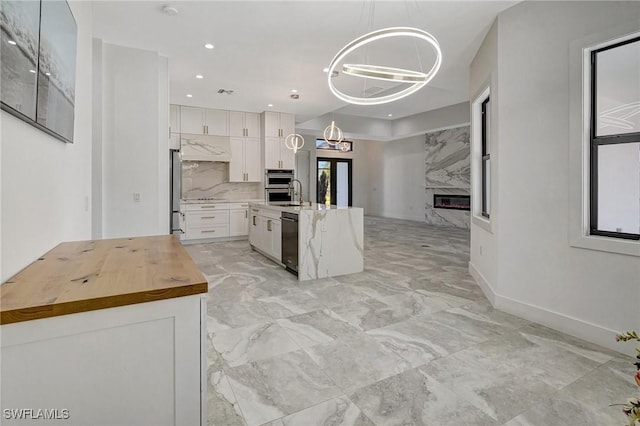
(11, 42)
(199, 76)
(270, 105)
(32, 71)
(325, 70)
(294, 90)
(170, 10)
(389, 115)
(47, 73)
(209, 46)
(189, 95)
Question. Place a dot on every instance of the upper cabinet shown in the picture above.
(278, 124)
(200, 121)
(244, 124)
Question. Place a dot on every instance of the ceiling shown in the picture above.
(264, 49)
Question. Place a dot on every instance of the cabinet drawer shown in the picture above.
(208, 206)
(203, 219)
(233, 206)
(217, 231)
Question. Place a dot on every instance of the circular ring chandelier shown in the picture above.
(294, 142)
(333, 134)
(417, 79)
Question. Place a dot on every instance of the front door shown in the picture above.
(334, 181)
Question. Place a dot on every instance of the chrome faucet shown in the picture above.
(291, 188)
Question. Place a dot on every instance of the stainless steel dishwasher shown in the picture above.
(290, 241)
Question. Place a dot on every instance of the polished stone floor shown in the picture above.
(409, 341)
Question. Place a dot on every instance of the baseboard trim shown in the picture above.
(566, 324)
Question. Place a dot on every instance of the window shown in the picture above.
(486, 159)
(614, 203)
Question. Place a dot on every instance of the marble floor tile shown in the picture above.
(339, 294)
(317, 327)
(276, 387)
(233, 315)
(222, 407)
(246, 344)
(586, 402)
(354, 362)
(415, 398)
(335, 412)
(290, 304)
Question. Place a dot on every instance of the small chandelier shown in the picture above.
(332, 134)
(417, 79)
(294, 142)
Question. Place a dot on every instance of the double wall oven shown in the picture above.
(278, 186)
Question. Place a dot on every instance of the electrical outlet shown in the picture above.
(136, 197)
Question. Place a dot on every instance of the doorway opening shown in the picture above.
(334, 185)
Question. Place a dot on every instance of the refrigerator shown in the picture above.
(175, 190)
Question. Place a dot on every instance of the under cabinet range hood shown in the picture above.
(205, 148)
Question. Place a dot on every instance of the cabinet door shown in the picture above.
(236, 124)
(217, 122)
(276, 239)
(252, 159)
(252, 124)
(287, 157)
(192, 120)
(272, 153)
(238, 222)
(255, 229)
(236, 165)
(271, 124)
(174, 118)
(287, 124)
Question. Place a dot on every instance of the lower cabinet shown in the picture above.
(265, 232)
(215, 220)
(239, 221)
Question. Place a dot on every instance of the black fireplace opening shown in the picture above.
(454, 202)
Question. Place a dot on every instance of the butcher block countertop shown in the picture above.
(89, 275)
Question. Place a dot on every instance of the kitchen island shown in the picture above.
(106, 332)
(329, 238)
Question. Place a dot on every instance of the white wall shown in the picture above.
(46, 184)
(437, 119)
(134, 141)
(588, 293)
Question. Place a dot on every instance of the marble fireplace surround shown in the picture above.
(447, 172)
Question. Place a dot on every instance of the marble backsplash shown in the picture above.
(211, 180)
(447, 171)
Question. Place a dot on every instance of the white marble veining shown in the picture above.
(210, 179)
(447, 171)
(330, 239)
(205, 147)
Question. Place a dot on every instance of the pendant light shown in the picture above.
(332, 134)
(416, 79)
(294, 142)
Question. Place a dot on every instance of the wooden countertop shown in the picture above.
(88, 275)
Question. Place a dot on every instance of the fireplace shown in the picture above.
(454, 202)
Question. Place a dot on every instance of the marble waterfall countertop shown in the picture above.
(330, 239)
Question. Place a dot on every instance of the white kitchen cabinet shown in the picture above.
(244, 124)
(277, 155)
(245, 160)
(200, 121)
(278, 124)
(174, 119)
(238, 222)
(265, 232)
(207, 221)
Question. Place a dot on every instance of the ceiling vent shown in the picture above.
(225, 91)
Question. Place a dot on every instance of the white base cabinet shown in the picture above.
(215, 221)
(265, 232)
(141, 364)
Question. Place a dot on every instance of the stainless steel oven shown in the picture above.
(278, 195)
(276, 178)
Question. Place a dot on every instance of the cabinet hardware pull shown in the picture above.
(208, 217)
(208, 207)
(269, 225)
(254, 221)
(246, 214)
(208, 232)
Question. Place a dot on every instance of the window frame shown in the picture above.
(485, 157)
(596, 141)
